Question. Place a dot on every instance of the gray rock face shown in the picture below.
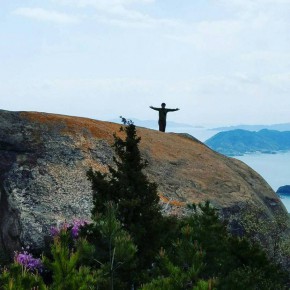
(44, 159)
(43, 178)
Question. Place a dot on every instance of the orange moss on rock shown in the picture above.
(200, 173)
(74, 125)
(171, 202)
(171, 146)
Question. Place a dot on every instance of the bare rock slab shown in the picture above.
(44, 159)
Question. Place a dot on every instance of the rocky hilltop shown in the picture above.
(44, 159)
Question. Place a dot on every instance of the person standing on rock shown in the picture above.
(162, 116)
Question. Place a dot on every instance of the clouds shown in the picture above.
(94, 97)
(245, 4)
(121, 13)
(245, 26)
(102, 4)
(214, 36)
(41, 14)
(222, 59)
(272, 10)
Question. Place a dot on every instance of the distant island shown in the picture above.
(239, 142)
(284, 190)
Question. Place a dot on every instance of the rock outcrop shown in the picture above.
(44, 159)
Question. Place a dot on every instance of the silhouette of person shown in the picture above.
(162, 115)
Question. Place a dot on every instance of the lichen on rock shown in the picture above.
(44, 159)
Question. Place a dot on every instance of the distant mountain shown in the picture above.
(278, 127)
(153, 124)
(239, 142)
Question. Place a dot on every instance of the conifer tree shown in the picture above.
(65, 264)
(18, 277)
(181, 267)
(136, 198)
(115, 250)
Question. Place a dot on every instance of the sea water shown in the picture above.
(274, 168)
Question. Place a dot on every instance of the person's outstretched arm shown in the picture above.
(172, 110)
(153, 108)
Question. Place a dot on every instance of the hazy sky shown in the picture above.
(220, 61)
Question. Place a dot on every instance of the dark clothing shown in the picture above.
(162, 117)
(162, 125)
(163, 112)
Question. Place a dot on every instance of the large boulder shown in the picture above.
(44, 159)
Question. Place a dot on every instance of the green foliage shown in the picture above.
(182, 266)
(226, 254)
(191, 261)
(250, 258)
(251, 279)
(67, 274)
(114, 249)
(129, 243)
(128, 187)
(271, 234)
(18, 278)
(212, 235)
(187, 254)
(205, 285)
(174, 277)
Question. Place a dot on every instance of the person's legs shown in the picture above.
(162, 125)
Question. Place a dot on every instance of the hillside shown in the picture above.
(44, 159)
(239, 142)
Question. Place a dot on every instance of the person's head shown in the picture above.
(163, 105)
